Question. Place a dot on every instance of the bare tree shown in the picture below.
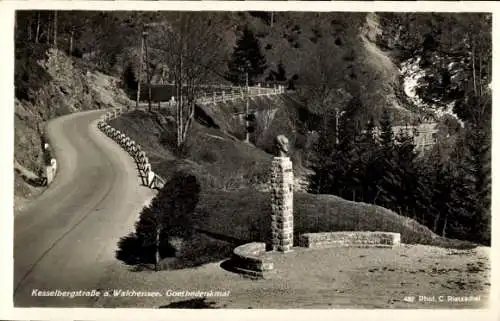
(191, 48)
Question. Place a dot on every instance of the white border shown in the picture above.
(6, 117)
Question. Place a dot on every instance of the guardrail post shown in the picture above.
(150, 179)
(223, 96)
(214, 97)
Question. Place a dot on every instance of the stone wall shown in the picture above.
(251, 259)
(349, 239)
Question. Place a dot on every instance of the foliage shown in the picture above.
(129, 81)
(452, 198)
(246, 58)
(169, 213)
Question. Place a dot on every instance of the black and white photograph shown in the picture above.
(249, 159)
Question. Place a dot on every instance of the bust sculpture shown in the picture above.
(281, 146)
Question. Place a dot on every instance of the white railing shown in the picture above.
(224, 95)
(148, 177)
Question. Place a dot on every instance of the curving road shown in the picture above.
(66, 238)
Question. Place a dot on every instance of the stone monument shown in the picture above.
(281, 197)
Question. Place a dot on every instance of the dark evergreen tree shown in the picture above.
(281, 73)
(129, 81)
(247, 57)
(385, 165)
(406, 171)
(386, 134)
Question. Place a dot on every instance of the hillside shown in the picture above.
(346, 69)
(234, 194)
(51, 84)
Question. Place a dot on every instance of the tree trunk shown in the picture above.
(71, 43)
(48, 30)
(181, 97)
(55, 29)
(37, 34)
(29, 25)
(443, 233)
(157, 253)
(474, 67)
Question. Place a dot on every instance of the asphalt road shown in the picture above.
(66, 239)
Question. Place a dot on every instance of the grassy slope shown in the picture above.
(236, 211)
(216, 158)
(246, 215)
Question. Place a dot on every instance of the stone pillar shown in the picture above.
(282, 204)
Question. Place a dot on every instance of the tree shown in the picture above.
(168, 215)
(246, 58)
(189, 45)
(388, 182)
(279, 75)
(129, 80)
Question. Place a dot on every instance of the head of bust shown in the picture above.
(281, 146)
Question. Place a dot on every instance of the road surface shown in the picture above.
(66, 239)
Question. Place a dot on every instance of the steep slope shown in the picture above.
(339, 51)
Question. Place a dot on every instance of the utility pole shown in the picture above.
(140, 72)
(148, 73)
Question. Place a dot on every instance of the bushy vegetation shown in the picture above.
(167, 218)
(451, 197)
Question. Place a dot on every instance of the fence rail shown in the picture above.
(223, 95)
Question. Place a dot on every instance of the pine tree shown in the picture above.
(367, 149)
(129, 80)
(406, 171)
(247, 57)
(281, 73)
(386, 134)
(389, 182)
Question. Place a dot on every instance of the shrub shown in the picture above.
(168, 216)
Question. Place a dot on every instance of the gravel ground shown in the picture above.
(325, 278)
